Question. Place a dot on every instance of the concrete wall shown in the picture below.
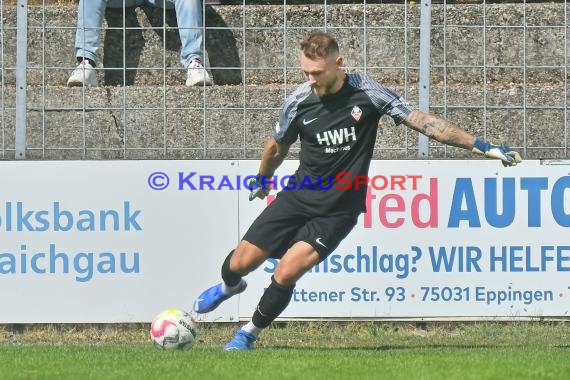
(505, 81)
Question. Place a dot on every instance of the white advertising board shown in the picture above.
(449, 239)
(118, 241)
(91, 241)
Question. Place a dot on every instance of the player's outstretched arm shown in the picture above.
(446, 132)
(272, 157)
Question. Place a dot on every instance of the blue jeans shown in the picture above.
(90, 15)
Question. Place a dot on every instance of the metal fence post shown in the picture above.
(425, 46)
(21, 66)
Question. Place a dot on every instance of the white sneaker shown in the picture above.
(197, 75)
(83, 75)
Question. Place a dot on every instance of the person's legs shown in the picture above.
(190, 23)
(90, 15)
(293, 265)
(316, 240)
(89, 21)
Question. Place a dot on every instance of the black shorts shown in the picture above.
(287, 220)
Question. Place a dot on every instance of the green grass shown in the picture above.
(364, 350)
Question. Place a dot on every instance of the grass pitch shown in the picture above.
(323, 350)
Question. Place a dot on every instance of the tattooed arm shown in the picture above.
(439, 129)
(446, 132)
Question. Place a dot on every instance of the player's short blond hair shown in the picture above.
(319, 45)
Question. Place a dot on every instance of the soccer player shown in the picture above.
(335, 115)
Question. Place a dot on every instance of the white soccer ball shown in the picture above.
(173, 328)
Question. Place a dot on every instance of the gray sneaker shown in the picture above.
(83, 75)
(197, 75)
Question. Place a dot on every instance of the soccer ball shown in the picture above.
(173, 328)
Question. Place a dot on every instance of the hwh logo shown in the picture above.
(336, 137)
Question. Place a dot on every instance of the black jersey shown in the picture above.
(337, 134)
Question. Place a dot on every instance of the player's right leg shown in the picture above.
(244, 259)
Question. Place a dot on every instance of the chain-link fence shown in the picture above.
(500, 70)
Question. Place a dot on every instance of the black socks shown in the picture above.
(230, 278)
(274, 300)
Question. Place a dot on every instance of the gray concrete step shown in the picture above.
(234, 121)
(250, 44)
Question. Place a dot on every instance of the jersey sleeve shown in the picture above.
(285, 132)
(386, 100)
(398, 109)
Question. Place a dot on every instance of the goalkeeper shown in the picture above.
(335, 115)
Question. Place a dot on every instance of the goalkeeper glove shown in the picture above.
(508, 157)
(259, 187)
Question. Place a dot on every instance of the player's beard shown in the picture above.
(325, 88)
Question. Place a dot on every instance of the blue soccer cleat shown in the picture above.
(212, 298)
(242, 341)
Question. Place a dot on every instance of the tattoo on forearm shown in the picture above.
(439, 129)
(435, 128)
(445, 132)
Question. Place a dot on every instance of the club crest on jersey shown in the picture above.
(356, 113)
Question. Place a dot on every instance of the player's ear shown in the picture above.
(339, 62)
